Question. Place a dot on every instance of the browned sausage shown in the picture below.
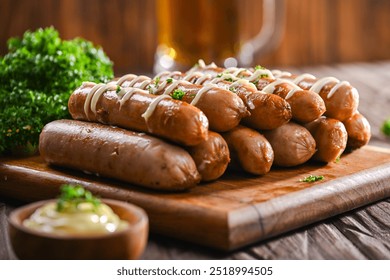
(170, 119)
(267, 111)
(341, 99)
(223, 108)
(249, 150)
(292, 144)
(306, 106)
(211, 157)
(118, 153)
(359, 131)
(331, 138)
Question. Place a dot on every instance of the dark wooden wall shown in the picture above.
(316, 31)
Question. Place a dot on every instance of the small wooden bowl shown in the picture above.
(124, 244)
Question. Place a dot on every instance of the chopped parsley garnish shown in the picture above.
(178, 94)
(312, 178)
(72, 195)
(228, 79)
(233, 89)
(169, 80)
(258, 67)
(386, 127)
(118, 89)
(156, 81)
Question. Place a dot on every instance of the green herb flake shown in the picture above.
(233, 89)
(169, 80)
(312, 178)
(72, 195)
(178, 94)
(118, 89)
(156, 81)
(259, 67)
(229, 79)
(337, 160)
(386, 127)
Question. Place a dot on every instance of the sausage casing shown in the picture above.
(171, 119)
(359, 131)
(117, 153)
(211, 157)
(292, 144)
(331, 138)
(250, 150)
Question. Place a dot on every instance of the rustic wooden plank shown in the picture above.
(238, 209)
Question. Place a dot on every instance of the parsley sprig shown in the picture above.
(37, 76)
(72, 195)
(178, 94)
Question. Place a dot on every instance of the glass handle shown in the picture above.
(270, 33)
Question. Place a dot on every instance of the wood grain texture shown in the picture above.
(316, 32)
(237, 209)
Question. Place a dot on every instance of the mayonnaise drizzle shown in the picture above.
(87, 102)
(96, 95)
(278, 73)
(260, 72)
(202, 91)
(302, 77)
(270, 88)
(319, 84)
(126, 78)
(336, 87)
(152, 106)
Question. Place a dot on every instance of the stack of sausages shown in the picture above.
(177, 129)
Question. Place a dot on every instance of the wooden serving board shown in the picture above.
(232, 212)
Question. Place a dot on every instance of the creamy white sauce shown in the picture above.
(336, 87)
(243, 82)
(270, 88)
(260, 72)
(319, 84)
(89, 97)
(98, 93)
(86, 219)
(202, 91)
(125, 78)
(152, 106)
(302, 77)
(278, 73)
(171, 87)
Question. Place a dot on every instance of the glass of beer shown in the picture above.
(215, 31)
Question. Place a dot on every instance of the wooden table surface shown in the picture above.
(360, 234)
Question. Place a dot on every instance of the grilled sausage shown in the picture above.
(138, 110)
(118, 153)
(359, 131)
(341, 99)
(223, 108)
(249, 150)
(306, 106)
(267, 111)
(331, 138)
(211, 157)
(292, 144)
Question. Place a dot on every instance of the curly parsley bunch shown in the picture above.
(37, 76)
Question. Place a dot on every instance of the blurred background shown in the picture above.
(314, 31)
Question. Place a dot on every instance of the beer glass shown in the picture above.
(189, 30)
